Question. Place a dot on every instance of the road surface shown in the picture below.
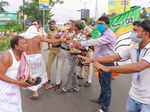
(77, 102)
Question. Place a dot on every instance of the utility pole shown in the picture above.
(80, 4)
(125, 4)
(96, 9)
(43, 18)
(23, 15)
(85, 5)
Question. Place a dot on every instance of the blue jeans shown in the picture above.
(106, 92)
(135, 106)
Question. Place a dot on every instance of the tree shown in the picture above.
(34, 13)
(144, 14)
(2, 5)
(90, 20)
(104, 14)
(13, 26)
(53, 2)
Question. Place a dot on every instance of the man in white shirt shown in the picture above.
(10, 95)
(139, 95)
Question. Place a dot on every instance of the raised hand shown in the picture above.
(86, 60)
(76, 44)
(49, 36)
(63, 39)
(99, 66)
(23, 83)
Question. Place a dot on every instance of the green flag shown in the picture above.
(121, 23)
(126, 19)
(95, 33)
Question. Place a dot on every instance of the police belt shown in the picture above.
(64, 48)
(55, 46)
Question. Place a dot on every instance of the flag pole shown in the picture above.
(125, 3)
(43, 21)
(23, 15)
(96, 9)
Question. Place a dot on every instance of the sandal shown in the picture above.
(61, 91)
(49, 86)
(99, 110)
(34, 97)
(94, 101)
(37, 81)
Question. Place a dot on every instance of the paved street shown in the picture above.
(77, 102)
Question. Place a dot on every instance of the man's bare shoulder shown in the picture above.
(34, 40)
(37, 37)
(6, 59)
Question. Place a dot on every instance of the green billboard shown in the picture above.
(5, 17)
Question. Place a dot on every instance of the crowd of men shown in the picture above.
(74, 50)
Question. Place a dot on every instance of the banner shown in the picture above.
(44, 4)
(148, 11)
(123, 23)
(95, 33)
(122, 26)
(5, 17)
(118, 6)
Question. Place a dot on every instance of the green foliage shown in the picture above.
(17, 28)
(13, 26)
(53, 2)
(144, 14)
(3, 29)
(10, 24)
(5, 44)
(34, 13)
(90, 20)
(3, 4)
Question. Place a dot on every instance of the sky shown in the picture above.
(69, 10)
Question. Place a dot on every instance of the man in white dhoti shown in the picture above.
(10, 97)
(36, 61)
